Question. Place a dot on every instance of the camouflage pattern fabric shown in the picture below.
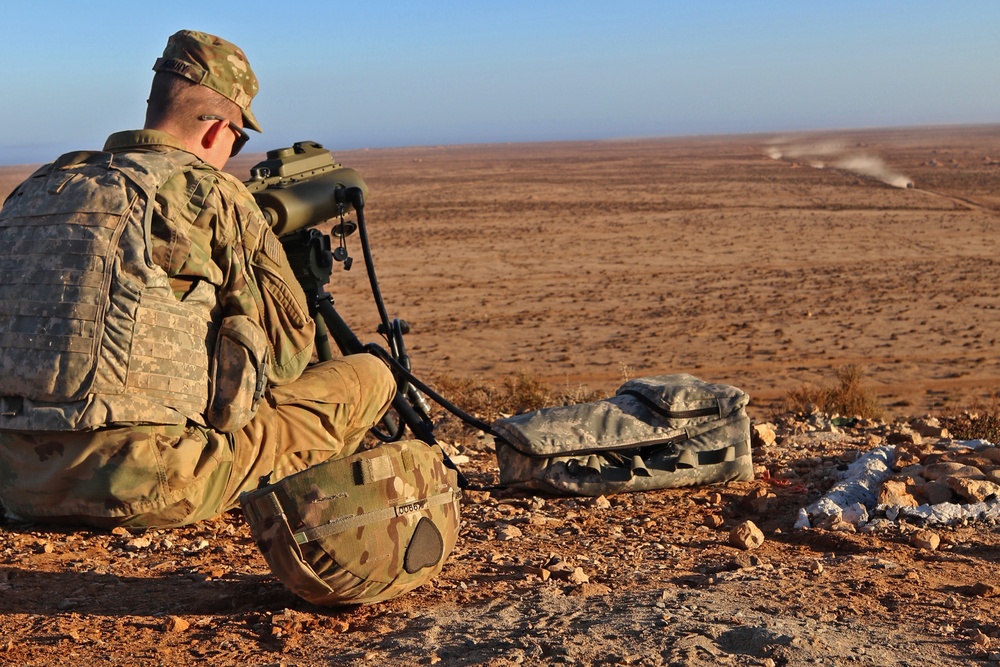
(100, 339)
(239, 368)
(209, 237)
(215, 63)
(362, 529)
(656, 432)
(207, 231)
(159, 475)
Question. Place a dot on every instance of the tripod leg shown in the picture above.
(323, 351)
(349, 343)
(338, 329)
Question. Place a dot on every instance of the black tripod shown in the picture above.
(311, 255)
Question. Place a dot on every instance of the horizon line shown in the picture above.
(650, 137)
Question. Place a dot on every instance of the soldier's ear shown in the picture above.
(215, 143)
(214, 133)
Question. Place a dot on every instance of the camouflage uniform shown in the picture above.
(211, 241)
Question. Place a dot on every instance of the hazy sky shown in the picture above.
(395, 73)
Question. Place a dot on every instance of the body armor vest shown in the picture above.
(90, 331)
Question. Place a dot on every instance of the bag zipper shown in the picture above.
(640, 444)
(673, 414)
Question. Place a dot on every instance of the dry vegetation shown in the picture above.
(850, 396)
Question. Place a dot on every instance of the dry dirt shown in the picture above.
(761, 261)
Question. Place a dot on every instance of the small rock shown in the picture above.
(559, 569)
(905, 456)
(175, 624)
(138, 544)
(714, 521)
(926, 540)
(872, 440)
(904, 436)
(895, 493)
(951, 469)
(200, 545)
(973, 490)
(601, 503)
(936, 492)
(855, 513)
(475, 497)
(841, 526)
(763, 435)
(930, 428)
(984, 590)
(566, 572)
(758, 501)
(507, 532)
(746, 536)
(539, 572)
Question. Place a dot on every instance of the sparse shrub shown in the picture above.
(972, 426)
(849, 397)
(515, 394)
(981, 422)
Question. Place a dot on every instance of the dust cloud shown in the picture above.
(837, 155)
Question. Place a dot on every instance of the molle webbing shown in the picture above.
(269, 506)
(85, 317)
(365, 471)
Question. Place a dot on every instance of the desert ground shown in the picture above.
(764, 261)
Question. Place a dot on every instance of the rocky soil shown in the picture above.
(709, 576)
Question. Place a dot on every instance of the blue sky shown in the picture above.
(394, 73)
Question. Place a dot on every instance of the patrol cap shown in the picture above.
(215, 63)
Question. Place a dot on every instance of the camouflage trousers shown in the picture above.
(153, 475)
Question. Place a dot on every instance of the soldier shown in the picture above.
(154, 343)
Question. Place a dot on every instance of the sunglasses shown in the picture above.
(241, 135)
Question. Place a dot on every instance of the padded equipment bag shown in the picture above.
(360, 529)
(654, 433)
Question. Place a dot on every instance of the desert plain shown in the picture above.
(760, 261)
(763, 261)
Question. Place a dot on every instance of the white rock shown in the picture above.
(855, 513)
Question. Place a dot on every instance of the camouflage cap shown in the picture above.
(213, 62)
